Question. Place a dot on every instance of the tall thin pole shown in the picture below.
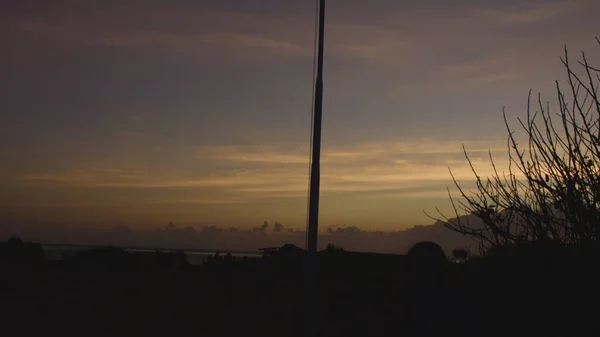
(315, 182)
(315, 172)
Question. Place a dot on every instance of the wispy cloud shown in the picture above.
(175, 28)
(292, 153)
(485, 70)
(255, 153)
(494, 77)
(129, 135)
(369, 42)
(220, 33)
(533, 12)
(199, 42)
(410, 168)
(196, 42)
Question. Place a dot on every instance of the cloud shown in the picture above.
(343, 230)
(198, 43)
(369, 42)
(386, 149)
(129, 135)
(349, 237)
(195, 43)
(400, 44)
(394, 169)
(201, 31)
(480, 71)
(253, 41)
(174, 28)
(277, 227)
(492, 78)
(262, 229)
(533, 12)
(255, 153)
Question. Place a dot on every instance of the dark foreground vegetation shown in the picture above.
(110, 292)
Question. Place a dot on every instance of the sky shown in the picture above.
(138, 113)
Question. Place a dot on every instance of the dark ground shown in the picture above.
(113, 293)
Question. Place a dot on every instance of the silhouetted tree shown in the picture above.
(108, 258)
(331, 248)
(426, 295)
(426, 254)
(15, 240)
(551, 192)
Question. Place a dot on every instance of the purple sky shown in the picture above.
(143, 112)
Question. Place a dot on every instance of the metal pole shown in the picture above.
(315, 182)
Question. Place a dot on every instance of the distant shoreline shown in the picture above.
(152, 249)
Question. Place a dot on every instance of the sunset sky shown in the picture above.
(141, 112)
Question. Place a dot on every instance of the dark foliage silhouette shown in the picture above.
(108, 291)
(109, 258)
(427, 253)
(331, 248)
(428, 294)
(460, 254)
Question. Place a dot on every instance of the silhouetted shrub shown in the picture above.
(426, 259)
(171, 260)
(427, 252)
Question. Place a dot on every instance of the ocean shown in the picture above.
(195, 257)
